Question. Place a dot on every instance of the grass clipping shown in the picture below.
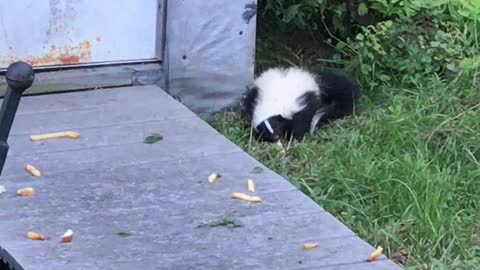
(153, 138)
(226, 221)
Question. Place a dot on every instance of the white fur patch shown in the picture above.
(278, 91)
(315, 120)
(269, 127)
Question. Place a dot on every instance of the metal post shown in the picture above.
(20, 77)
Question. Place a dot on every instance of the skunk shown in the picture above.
(286, 103)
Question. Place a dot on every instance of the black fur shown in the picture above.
(338, 96)
(300, 123)
(279, 126)
(250, 101)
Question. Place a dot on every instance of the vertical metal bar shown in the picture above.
(20, 77)
(160, 29)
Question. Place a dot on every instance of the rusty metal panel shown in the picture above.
(63, 32)
(209, 52)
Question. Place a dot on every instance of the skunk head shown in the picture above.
(275, 97)
(271, 129)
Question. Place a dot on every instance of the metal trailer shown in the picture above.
(200, 52)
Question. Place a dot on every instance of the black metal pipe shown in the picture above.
(19, 77)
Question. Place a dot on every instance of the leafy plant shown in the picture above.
(312, 15)
(409, 50)
(410, 158)
(301, 14)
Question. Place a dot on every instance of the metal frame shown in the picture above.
(204, 56)
(159, 50)
(209, 53)
(75, 77)
(161, 29)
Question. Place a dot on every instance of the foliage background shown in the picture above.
(403, 173)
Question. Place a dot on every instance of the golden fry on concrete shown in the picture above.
(35, 236)
(67, 237)
(375, 254)
(28, 191)
(251, 185)
(32, 170)
(56, 135)
(245, 197)
(308, 246)
(214, 177)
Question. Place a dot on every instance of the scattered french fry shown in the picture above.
(28, 191)
(56, 135)
(67, 237)
(35, 236)
(251, 185)
(245, 197)
(214, 177)
(308, 246)
(2, 189)
(32, 170)
(375, 254)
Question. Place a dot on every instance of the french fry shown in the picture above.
(214, 177)
(33, 171)
(35, 236)
(28, 191)
(245, 197)
(250, 185)
(56, 135)
(308, 246)
(375, 254)
(67, 237)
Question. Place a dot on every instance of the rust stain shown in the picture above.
(66, 55)
(69, 59)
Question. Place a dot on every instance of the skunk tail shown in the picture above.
(339, 95)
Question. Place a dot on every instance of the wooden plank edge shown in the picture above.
(88, 78)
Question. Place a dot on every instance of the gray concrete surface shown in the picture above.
(109, 181)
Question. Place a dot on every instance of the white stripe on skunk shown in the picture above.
(288, 102)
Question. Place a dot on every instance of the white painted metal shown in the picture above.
(62, 32)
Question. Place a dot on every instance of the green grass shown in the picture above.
(403, 173)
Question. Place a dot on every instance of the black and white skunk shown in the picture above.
(286, 103)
